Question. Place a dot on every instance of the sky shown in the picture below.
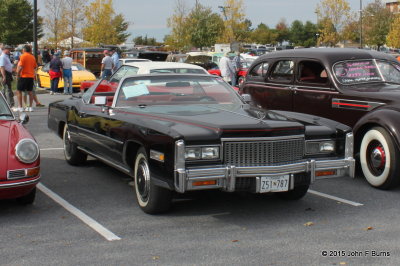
(149, 17)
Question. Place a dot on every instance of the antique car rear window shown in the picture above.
(365, 71)
(175, 91)
(179, 70)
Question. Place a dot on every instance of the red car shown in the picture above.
(19, 157)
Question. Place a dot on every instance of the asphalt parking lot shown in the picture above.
(88, 215)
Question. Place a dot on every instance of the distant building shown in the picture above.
(392, 5)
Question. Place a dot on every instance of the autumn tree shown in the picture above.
(393, 38)
(351, 31)
(234, 21)
(73, 16)
(333, 16)
(376, 21)
(102, 25)
(55, 21)
(179, 38)
(16, 22)
(282, 31)
(204, 26)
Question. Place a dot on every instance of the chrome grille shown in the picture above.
(263, 152)
(15, 174)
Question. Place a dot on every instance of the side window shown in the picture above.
(312, 72)
(123, 72)
(282, 71)
(259, 70)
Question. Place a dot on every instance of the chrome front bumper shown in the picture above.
(225, 175)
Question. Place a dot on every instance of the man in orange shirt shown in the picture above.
(26, 75)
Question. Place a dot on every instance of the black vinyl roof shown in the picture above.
(328, 55)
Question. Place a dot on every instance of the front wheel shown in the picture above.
(295, 194)
(152, 199)
(378, 158)
(28, 198)
(71, 152)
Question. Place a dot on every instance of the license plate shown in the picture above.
(274, 183)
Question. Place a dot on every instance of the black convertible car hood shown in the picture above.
(214, 121)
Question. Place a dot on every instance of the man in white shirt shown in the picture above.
(106, 65)
(67, 73)
(226, 67)
(6, 68)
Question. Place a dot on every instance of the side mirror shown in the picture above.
(100, 100)
(247, 98)
(23, 118)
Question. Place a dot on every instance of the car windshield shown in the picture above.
(175, 90)
(366, 71)
(179, 70)
(77, 67)
(5, 113)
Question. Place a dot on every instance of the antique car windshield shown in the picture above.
(5, 113)
(175, 90)
(366, 71)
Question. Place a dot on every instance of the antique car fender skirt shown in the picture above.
(387, 118)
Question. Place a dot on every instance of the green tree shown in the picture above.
(263, 34)
(282, 31)
(16, 22)
(179, 38)
(204, 26)
(376, 23)
(102, 25)
(333, 16)
(393, 38)
(310, 34)
(296, 33)
(121, 26)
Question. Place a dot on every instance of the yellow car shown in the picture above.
(79, 74)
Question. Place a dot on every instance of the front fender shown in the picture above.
(388, 118)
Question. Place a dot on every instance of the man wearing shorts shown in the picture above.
(25, 75)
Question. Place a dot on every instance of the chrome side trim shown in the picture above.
(106, 161)
(97, 134)
(19, 184)
(349, 152)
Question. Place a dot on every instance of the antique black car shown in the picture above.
(358, 88)
(177, 132)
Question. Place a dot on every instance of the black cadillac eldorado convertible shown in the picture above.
(177, 132)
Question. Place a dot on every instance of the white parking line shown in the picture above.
(107, 234)
(51, 149)
(352, 203)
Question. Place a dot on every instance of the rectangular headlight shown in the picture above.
(202, 153)
(318, 147)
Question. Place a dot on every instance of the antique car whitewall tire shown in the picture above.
(378, 157)
(152, 199)
(295, 194)
(72, 155)
(28, 198)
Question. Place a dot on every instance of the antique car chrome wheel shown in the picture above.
(378, 155)
(72, 155)
(151, 198)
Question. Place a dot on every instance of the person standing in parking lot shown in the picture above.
(226, 67)
(6, 68)
(55, 72)
(237, 64)
(106, 65)
(67, 73)
(26, 74)
(115, 58)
